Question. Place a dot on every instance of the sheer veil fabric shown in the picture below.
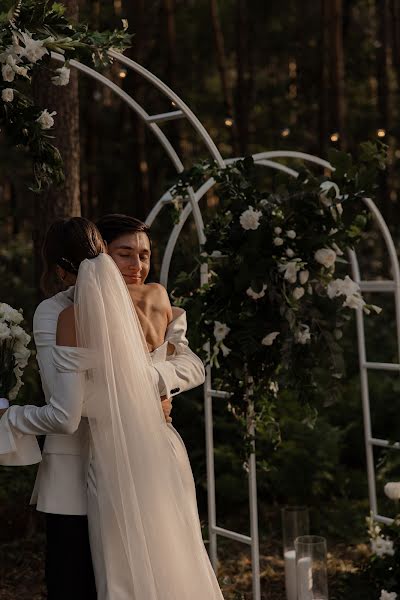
(140, 487)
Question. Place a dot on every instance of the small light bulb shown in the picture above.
(228, 122)
(285, 132)
(381, 132)
(122, 73)
(335, 136)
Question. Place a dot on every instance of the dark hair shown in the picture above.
(113, 226)
(67, 243)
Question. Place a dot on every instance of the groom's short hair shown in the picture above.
(115, 225)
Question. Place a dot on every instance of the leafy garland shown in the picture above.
(29, 31)
(273, 307)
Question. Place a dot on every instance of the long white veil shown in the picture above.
(141, 494)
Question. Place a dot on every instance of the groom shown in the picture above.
(60, 487)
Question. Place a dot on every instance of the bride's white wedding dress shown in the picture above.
(144, 526)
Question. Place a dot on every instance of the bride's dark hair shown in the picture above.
(67, 243)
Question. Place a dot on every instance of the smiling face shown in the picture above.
(131, 252)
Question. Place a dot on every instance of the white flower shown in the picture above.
(63, 76)
(269, 339)
(291, 234)
(345, 287)
(278, 241)
(13, 393)
(20, 335)
(387, 595)
(355, 301)
(7, 73)
(33, 50)
(256, 295)
(326, 257)
(392, 490)
(45, 119)
(7, 95)
(264, 202)
(225, 349)
(382, 546)
(216, 254)
(5, 332)
(277, 230)
(250, 219)
(9, 313)
(333, 231)
(298, 293)
(289, 253)
(21, 354)
(290, 268)
(303, 277)
(377, 309)
(303, 335)
(221, 330)
(325, 188)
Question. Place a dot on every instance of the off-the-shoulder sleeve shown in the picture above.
(61, 415)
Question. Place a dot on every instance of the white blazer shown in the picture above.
(60, 485)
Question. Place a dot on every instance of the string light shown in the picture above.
(381, 132)
(335, 137)
(122, 73)
(228, 121)
(285, 132)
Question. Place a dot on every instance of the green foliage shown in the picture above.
(250, 295)
(43, 22)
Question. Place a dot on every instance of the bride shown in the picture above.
(144, 526)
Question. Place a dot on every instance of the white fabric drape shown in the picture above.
(154, 530)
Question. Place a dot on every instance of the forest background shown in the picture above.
(295, 75)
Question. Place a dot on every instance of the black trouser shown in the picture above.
(69, 569)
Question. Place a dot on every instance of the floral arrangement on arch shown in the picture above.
(272, 315)
(383, 569)
(29, 31)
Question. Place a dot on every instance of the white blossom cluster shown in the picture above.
(18, 59)
(387, 595)
(12, 334)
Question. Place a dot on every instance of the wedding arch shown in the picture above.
(270, 160)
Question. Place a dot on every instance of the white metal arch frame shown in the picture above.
(262, 159)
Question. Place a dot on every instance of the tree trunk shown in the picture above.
(223, 71)
(63, 201)
(338, 119)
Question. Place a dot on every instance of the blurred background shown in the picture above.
(290, 75)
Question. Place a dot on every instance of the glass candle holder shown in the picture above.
(311, 571)
(295, 523)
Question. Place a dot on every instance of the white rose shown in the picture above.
(10, 314)
(278, 241)
(269, 339)
(250, 219)
(387, 595)
(20, 334)
(303, 277)
(289, 253)
(298, 293)
(277, 230)
(291, 234)
(7, 95)
(21, 354)
(45, 119)
(5, 332)
(33, 50)
(303, 335)
(326, 257)
(256, 295)
(8, 73)
(62, 77)
(221, 330)
(345, 287)
(392, 490)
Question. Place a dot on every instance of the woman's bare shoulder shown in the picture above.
(66, 333)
